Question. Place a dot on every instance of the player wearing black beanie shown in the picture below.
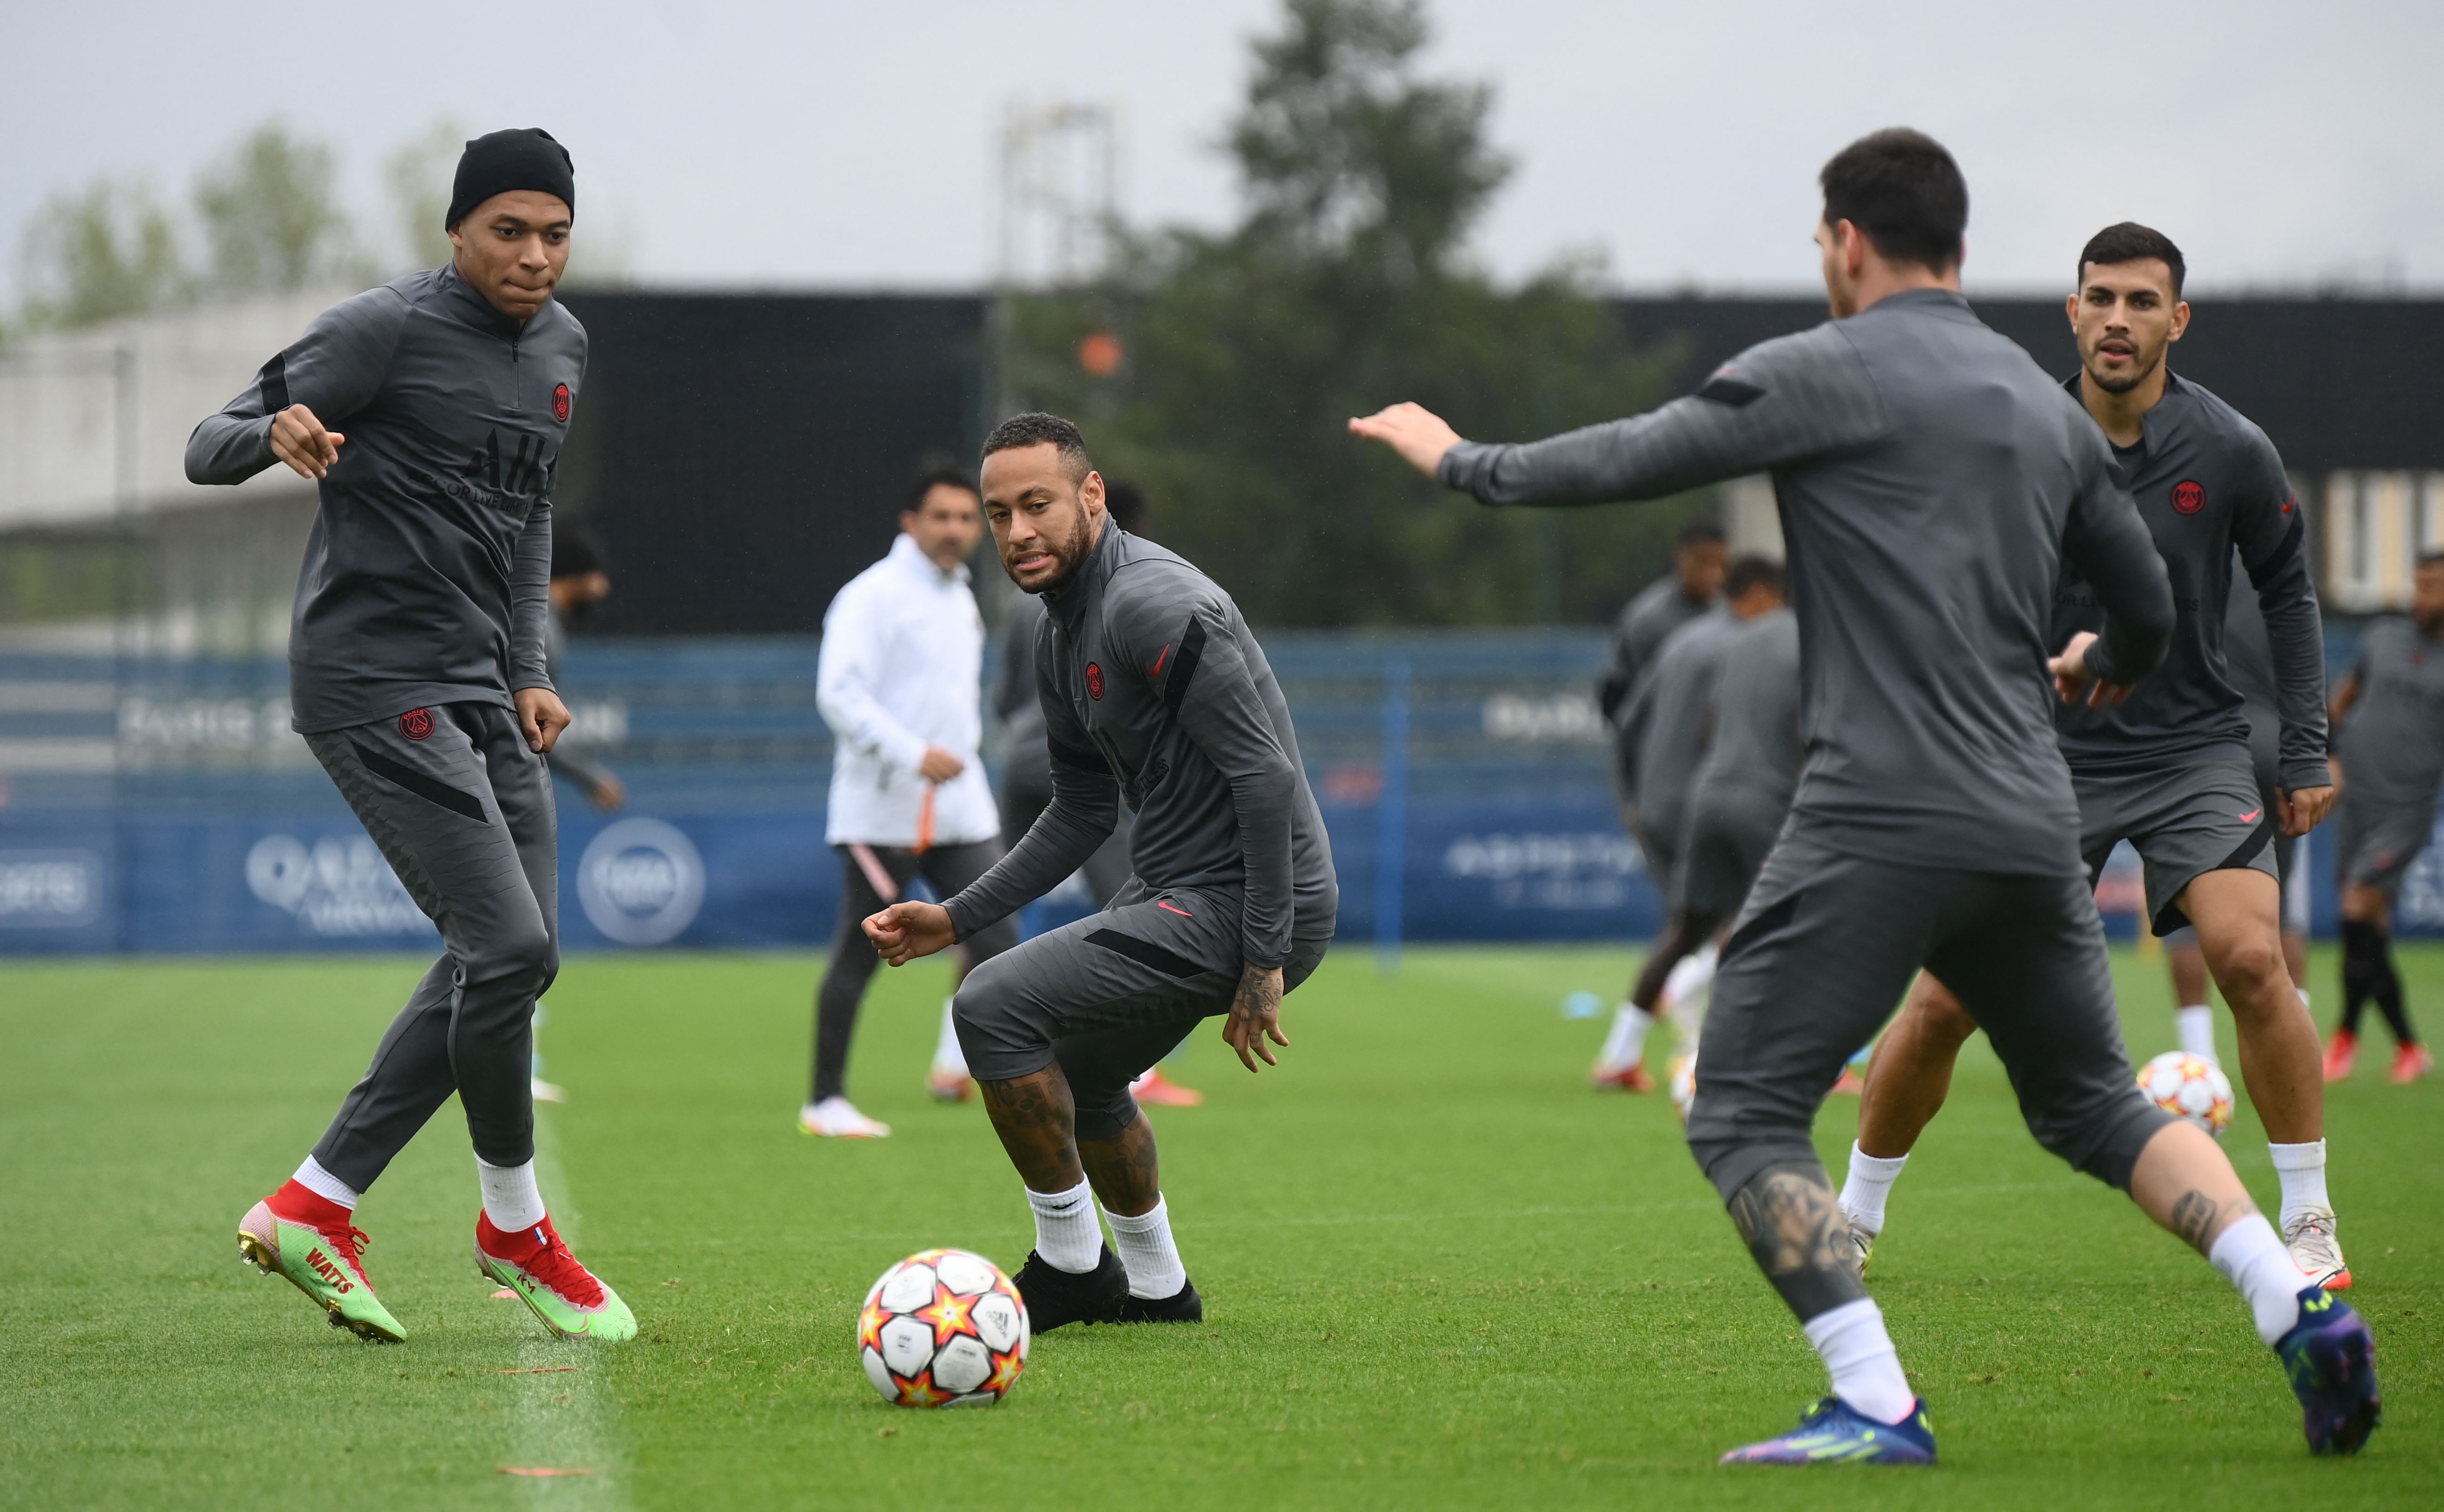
(430, 413)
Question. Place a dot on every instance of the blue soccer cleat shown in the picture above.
(1833, 1433)
(2330, 1357)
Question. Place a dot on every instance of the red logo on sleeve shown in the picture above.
(415, 723)
(1094, 680)
(2189, 497)
(560, 404)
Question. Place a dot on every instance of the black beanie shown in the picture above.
(500, 161)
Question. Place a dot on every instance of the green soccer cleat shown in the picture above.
(536, 1265)
(316, 1251)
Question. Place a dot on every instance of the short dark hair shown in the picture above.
(2129, 242)
(1126, 504)
(576, 550)
(1752, 571)
(1903, 191)
(1697, 533)
(1035, 427)
(937, 473)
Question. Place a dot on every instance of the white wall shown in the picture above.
(96, 420)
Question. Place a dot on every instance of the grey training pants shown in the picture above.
(1113, 993)
(462, 811)
(1823, 952)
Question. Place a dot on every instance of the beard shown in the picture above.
(2127, 381)
(1070, 553)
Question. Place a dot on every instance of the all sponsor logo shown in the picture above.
(415, 723)
(642, 882)
(1094, 680)
(338, 888)
(2188, 496)
(560, 404)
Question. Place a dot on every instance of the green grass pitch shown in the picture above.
(1438, 1271)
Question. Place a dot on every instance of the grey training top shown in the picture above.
(426, 575)
(1154, 690)
(1664, 727)
(1645, 623)
(2249, 662)
(1026, 760)
(2392, 746)
(1753, 752)
(1931, 480)
(2207, 482)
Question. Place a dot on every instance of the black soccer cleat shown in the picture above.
(1056, 1297)
(1182, 1306)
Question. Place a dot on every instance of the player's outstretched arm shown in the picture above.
(904, 932)
(287, 413)
(1419, 434)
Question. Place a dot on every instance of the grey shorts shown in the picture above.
(1823, 952)
(2184, 821)
(1725, 846)
(1112, 994)
(2375, 841)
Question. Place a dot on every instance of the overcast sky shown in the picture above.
(829, 144)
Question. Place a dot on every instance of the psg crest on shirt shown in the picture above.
(2188, 496)
(1094, 680)
(560, 404)
(415, 723)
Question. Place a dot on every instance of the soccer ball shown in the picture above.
(943, 1328)
(2186, 1087)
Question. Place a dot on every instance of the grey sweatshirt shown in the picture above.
(1931, 481)
(2207, 481)
(2392, 746)
(1154, 690)
(426, 575)
(1645, 623)
(1665, 724)
(1753, 746)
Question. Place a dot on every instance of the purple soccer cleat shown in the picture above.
(2329, 1356)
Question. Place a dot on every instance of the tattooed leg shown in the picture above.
(1037, 1120)
(1126, 1178)
(1788, 1218)
(2184, 1182)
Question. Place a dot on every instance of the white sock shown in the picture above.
(1694, 973)
(1145, 1246)
(324, 1185)
(2251, 1257)
(1864, 1189)
(947, 1054)
(1866, 1369)
(1066, 1234)
(2195, 1026)
(510, 1199)
(1626, 1044)
(2301, 1169)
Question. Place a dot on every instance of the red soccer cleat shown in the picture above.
(537, 1266)
(2341, 1055)
(1161, 1092)
(2410, 1062)
(1632, 1077)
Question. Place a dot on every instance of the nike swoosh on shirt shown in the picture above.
(1155, 671)
(2251, 818)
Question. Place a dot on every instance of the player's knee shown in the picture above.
(1104, 1116)
(2251, 972)
(1942, 1020)
(523, 955)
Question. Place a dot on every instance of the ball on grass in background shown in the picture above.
(2188, 1087)
(943, 1328)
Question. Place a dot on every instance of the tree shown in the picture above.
(418, 173)
(98, 254)
(272, 217)
(1346, 285)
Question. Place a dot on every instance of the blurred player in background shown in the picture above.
(1743, 789)
(2249, 662)
(1154, 693)
(2169, 768)
(2390, 756)
(1933, 482)
(430, 411)
(899, 680)
(1694, 585)
(581, 577)
(1027, 762)
(1671, 718)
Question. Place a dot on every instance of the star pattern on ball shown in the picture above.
(922, 1392)
(869, 1326)
(948, 1313)
(1004, 1372)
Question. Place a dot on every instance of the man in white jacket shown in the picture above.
(900, 681)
